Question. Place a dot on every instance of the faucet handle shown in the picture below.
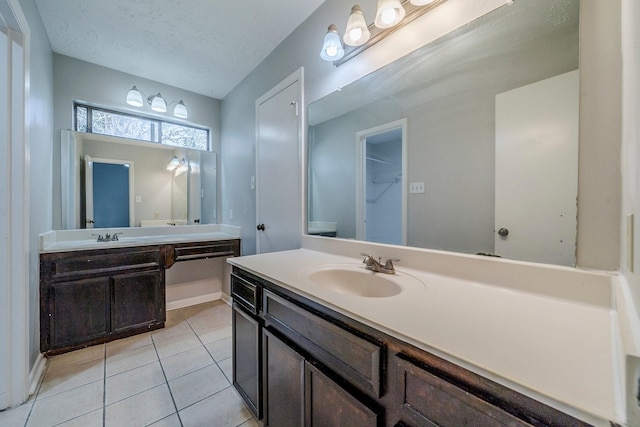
(390, 261)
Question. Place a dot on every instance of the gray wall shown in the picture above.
(40, 125)
(77, 80)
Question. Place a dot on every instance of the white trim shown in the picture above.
(37, 371)
(293, 78)
(227, 299)
(186, 302)
(361, 172)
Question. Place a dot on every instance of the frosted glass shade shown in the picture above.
(420, 2)
(180, 110)
(390, 13)
(357, 32)
(134, 97)
(158, 104)
(332, 49)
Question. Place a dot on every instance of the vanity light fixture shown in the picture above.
(174, 163)
(332, 49)
(390, 13)
(357, 32)
(420, 2)
(136, 97)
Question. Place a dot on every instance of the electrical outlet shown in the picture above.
(416, 187)
(253, 182)
(230, 213)
(630, 242)
(138, 199)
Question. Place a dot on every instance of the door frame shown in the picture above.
(89, 186)
(296, 76)
(361, 175)
(14, 221)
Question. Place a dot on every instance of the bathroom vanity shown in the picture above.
(313, 349)
(96, 291)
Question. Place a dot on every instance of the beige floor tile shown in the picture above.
(78, 357)
(16, 417)
(92, 419)
(131, 359)
(61, 378)
(196, 310)
(142, 409)
(198, 385)
(178, 344)
(171, 331)
(214, 332)
(170, 421)
(67, 405)
(227, 368)
(251, 422)
(128, 383)
(173, 317)
(224, 409)
(186, 362)
(220, 349)
(130, 343)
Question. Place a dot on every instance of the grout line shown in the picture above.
(164, 374)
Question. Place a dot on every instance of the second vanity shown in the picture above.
(314, 344)
(96, 288)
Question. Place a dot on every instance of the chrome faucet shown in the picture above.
(107, 237)
(376, 266)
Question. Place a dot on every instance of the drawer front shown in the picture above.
(62, 266)
(205, 250)
(358, 359)
(245, 293)
(426, 399)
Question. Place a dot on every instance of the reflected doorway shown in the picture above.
(381, 187)
(108, 193)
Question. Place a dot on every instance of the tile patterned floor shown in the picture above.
(176, 376)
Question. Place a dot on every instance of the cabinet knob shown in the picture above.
(260, 227)
(504, 232)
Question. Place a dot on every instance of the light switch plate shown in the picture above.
(253, 182)
(416, 187)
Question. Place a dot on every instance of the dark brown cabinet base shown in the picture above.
(322, 368)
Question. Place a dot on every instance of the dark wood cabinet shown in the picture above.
(138, 300)
(247, 358)
(322, 368)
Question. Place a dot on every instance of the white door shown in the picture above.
(14, 220)
(537, 171)
(278, 166)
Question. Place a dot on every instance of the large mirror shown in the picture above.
(118, 182)
(468, 144)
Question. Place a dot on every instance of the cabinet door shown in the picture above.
(246, 358)
(138, 299)
(283, 383)
(78, 311)
(328, 404)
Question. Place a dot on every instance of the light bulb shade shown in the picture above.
(173, 163)
(180, 110)
(332, 49)
(134, 97)
(390, 13)
(421, 2)
(158, 104)
(357, 32)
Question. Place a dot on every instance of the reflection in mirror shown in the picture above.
(158, 195)
(452, 94)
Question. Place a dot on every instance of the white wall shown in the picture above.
(40, 128)
(77, 80)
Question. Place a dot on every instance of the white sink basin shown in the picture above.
(357, 281)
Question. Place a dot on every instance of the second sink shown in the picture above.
(356, 281)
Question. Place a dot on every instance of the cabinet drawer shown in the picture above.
(427, 399)
(65, 265)
(185, 252)
(245, 293)
(359, 359)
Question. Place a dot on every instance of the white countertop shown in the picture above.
(564, 352)
(75, 240)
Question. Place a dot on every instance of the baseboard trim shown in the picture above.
(226, 298)
(186, 302)
(36, 373)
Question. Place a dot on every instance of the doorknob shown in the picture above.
(504, 232)
(260, 227)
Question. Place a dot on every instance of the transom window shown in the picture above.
(114, 123)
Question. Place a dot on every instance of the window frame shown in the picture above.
(156, 128)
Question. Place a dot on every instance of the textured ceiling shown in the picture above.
(205, 46)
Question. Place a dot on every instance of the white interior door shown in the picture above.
(278, 166)
(537, 171)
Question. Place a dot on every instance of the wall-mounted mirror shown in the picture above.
(118, 182)
(490, 164)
